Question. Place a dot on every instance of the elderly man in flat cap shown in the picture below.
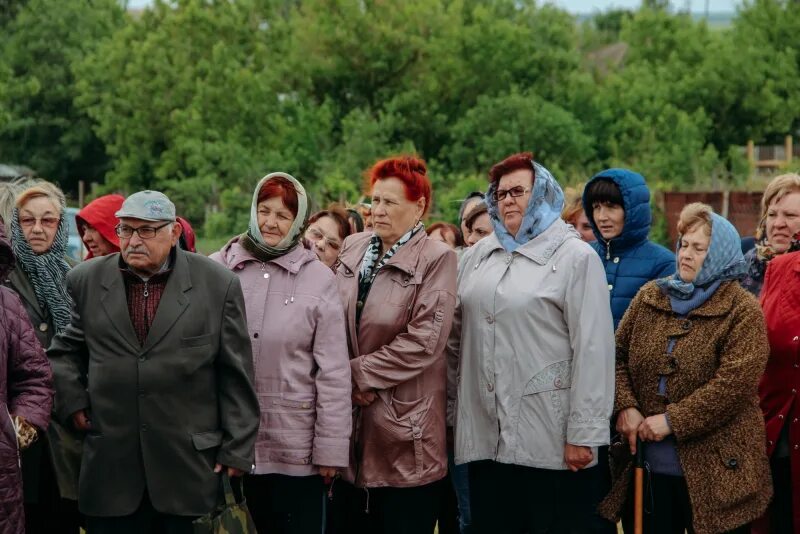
(156, 368)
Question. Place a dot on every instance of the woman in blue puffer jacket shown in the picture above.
(617, 204)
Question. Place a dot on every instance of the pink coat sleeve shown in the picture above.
(30, 380)
(334, 421)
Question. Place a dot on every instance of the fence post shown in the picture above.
(788, 146)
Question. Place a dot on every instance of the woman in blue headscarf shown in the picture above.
(690, 352)
(533, 341)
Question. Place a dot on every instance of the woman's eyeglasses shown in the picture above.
(517, 191)
(46, 222)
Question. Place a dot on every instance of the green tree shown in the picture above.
(43, 128)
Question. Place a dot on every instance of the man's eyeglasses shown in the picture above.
(517, 191)
(145, 232)
(46, 222)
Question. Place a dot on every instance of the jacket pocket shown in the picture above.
(403, 289)
(543, 414)
(206, 440)
(404, 424)
(196, 341)
(557, 375)
(738, 476)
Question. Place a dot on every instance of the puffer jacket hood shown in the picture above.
(631, 259)
(7, 260)
(636, 202)
(100, 215)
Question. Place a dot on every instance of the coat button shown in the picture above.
(796, 339)
(616, 260)
(769, 443)
(686, 325)
(794, 420)
(610, 287)
(732, 463)
(142, 358)
(490, 386)
(255, 335)
(489, 319)
(794, 391)
(796, 447)
(266, 275)
(780, 416)
(43, 327)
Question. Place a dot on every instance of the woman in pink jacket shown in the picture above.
(302, 370)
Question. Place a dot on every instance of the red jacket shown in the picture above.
(780, 300)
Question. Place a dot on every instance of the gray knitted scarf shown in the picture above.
(46, 272)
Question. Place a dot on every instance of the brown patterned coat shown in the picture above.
(712, 403)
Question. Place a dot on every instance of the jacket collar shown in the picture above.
(720, 303)
(173, 302)
(539, 249)
(405, 259)
(235, 254)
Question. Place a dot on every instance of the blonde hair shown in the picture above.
(573, 205)
(695, 214)
(779, 187)
(9, 191)
(43, 189)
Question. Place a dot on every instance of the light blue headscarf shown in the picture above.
(724, 261)
(544, 207)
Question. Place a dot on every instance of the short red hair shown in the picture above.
(279, 186)
(514, 162)
(411, 171)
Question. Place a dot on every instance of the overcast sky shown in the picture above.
(588, 6)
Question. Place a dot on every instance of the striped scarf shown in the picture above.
(46, 272)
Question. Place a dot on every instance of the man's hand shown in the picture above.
(81, 421)
(232, 471)
(577, 457)
(628, 422)
(654, 428)
(363, 398)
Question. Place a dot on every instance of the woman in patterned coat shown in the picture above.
(690, 352)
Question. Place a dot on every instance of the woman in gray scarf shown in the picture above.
(50, 467)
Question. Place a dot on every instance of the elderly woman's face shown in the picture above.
(39, 219)
(693, 252)
(325, 235)
(783, 221)
(392, 213)
(481, 227)
(512, 208)
(274, 220)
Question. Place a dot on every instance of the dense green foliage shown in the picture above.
(202, 97)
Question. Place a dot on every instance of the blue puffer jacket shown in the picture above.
(631, 260)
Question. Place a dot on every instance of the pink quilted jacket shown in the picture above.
(25, 390)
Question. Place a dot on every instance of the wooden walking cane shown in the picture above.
(638, 503)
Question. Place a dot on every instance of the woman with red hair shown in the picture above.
(398, 288)
(533, 343)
